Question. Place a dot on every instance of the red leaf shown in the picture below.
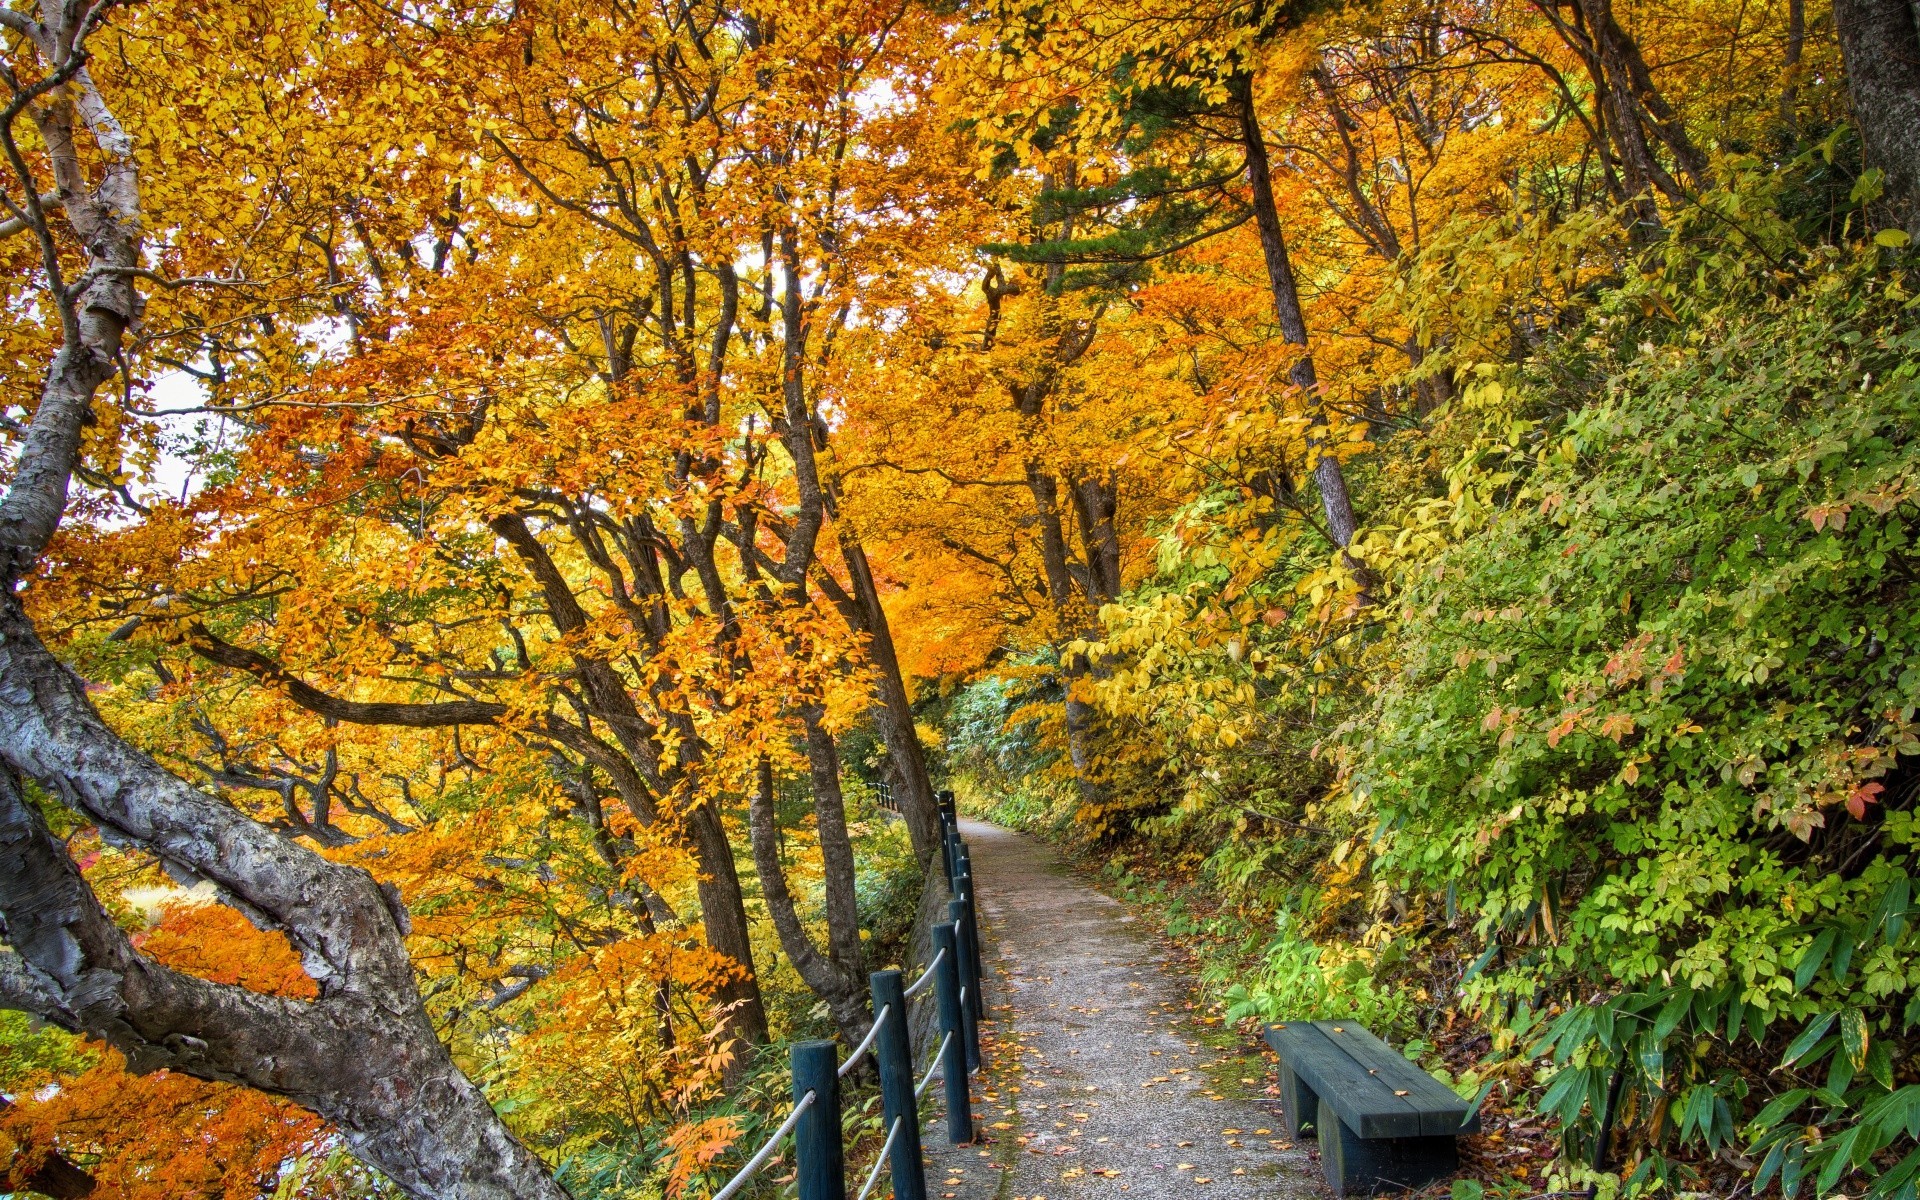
(1862, 796)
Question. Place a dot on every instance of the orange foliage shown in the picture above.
(166, 1136)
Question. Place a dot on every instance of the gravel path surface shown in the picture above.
(1098, 1082)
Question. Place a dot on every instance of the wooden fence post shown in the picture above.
(953, 1064)
(894, 1052)
(970, 897)
(821, 1162)
(969, 982)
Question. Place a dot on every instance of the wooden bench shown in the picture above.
(1384, 1124)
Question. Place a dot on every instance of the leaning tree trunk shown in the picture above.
(838, 983)
(1342, 524)
(893, 714)
(364, 1054)
(1880, 42)
(722, 903)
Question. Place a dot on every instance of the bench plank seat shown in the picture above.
(1367, 1104)
(1383, 1123)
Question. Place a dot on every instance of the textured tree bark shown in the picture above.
(1880, 42)
(1630, 114)
(1073, 616)
(893, 715)
(1790, 65)
(1097, 503)
(106, 220)
(723, 910)
(363, 1055)
(417, 716)
(842, 989)
(836, 849)
(1342, 524)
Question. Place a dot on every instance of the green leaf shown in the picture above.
(1839, 1151)
(1769, 1165)
(1891, 238)
(1603, 1026)
(1880, 1063)
(1467, 1189)
(1840, 1073)
(1907, 1168)
(1480, 964)
(1696, 1111)
(1671, 1014)
(1815, 1030)
(1778, 1109)
(1795, 1168)
(1854, 1036)
(1653, 1061)
(1479, 1098)
(1843, 949)
(1811, 960)
(1567, 1094)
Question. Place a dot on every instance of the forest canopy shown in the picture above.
(512, 512)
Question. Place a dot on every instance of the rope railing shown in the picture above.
(926, 977)
(815, 1119)
(866, 1043)
(766, 1150)
(881, 1159)
(933, 1066)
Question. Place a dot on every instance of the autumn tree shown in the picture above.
(361, 1052)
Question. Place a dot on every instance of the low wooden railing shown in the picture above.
(814, 1121)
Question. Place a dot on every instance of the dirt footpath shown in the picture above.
(1098, 1083)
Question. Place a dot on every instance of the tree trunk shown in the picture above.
(1790, 67)
(363, 1055)
(1097, 503)
(1334, 500)
(840, 876)
(1880, 42)
(1630, 114)
(723, 910)
(893, 715)
(1073, 617)
(843, 991)
(722, 905)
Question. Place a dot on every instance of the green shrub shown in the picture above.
(1651, 724)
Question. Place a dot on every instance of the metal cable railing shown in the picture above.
(814, 1121)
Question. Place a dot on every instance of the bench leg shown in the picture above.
(1358, 1166)
(1299, 1106)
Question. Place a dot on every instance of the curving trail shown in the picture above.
(1098, 1083)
